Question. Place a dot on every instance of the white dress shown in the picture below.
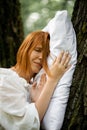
(16, 113)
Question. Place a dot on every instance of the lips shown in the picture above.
(38, 64)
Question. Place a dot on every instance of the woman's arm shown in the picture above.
(59, 67)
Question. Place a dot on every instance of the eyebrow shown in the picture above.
(38, 47)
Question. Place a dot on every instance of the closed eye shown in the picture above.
(38, 49)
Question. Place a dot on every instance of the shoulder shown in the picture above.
(6, 75)
(10, 79)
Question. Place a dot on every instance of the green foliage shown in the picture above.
(37, 13)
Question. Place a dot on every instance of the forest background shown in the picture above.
(37, 13)
(18, 18)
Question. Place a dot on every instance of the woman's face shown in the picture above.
(36, 59)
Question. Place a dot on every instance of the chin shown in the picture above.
(36, 70)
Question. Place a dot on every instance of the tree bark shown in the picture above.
(11, 31)
(76, 112)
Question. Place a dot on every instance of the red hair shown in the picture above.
(27, 46)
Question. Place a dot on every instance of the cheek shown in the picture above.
(32, 56)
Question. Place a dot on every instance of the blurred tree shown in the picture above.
(11, 31)
(36, 14)
(76, 113)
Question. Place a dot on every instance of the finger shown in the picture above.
(54, 61)
(34, 84)
(68, 67)
(64, 59)
(67, 61)
(43, 77)
(42, 80)
(59, 58)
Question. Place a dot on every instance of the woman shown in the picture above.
(17, 112)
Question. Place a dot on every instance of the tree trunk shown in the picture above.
(76, 112)
(11, 31)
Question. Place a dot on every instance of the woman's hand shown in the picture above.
(35, 90)
(60, 66)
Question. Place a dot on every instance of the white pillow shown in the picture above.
(62, 37)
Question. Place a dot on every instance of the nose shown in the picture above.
(40, 55)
